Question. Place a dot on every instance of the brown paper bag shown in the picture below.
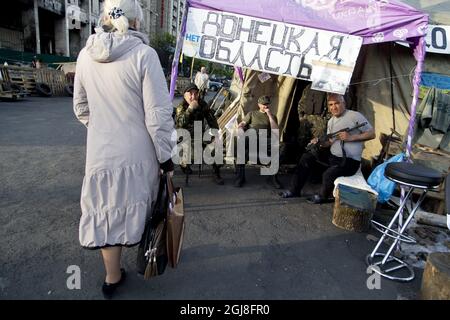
(175, 226)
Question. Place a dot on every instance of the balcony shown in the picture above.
(55, 6)
(77, 14)
(84, 16)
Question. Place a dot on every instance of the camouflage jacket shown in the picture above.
(184, 118)
(312, 102)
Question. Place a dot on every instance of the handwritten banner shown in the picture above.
(326, 58)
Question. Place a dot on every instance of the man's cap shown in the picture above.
(189, 87)
(265, 100)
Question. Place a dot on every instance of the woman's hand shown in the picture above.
(167, 167)
(169, 173)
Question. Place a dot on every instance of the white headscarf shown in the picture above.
(121, 12)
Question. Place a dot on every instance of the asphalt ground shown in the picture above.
(240, 243)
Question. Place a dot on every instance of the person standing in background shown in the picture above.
(202, 82)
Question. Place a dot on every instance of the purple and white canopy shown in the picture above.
(374, 20)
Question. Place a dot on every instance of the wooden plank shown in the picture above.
(226, 116)
(22, 76)
(55, 79)
(228, 113)
(432, 219)
(28, 77)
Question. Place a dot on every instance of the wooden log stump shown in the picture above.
(436, 277)
(353, 209)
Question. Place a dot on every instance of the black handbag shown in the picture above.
(152, 253)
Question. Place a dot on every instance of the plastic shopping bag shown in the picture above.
(380, 183)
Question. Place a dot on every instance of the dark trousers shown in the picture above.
(215, 167)
(240, 168)
(202, 93)
(335, 168)
(247, 149)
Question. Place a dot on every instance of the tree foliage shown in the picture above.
(212, 67)
(164, 45)
(164, 42)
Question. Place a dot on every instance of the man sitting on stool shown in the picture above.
(192, 109)
(261, 119)
(346, 149)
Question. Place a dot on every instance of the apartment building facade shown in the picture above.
(61, 27)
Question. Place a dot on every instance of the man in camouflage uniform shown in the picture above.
(192, 109)
(313, 115)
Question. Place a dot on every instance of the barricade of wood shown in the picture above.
(228, 114)
(22, 76)
(55, 79)
(7, 93)
(27, 78)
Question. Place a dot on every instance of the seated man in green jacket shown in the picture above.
(260, 121)
(193, 109)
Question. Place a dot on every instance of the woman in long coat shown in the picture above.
(121, 96)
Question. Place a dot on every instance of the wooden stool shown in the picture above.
(353, 208)
(436, 277)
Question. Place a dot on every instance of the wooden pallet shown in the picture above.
(22, 76)
(55, 79)
(28, 77)
(9, 96)
(228, 114)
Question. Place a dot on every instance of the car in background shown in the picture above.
(215, 85)
(222, 79)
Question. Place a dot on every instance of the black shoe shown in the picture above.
(288, 194)
(240, 176)
(317, 199)
(108, 289)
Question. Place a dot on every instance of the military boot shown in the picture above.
(240, 175)
(216, 175)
